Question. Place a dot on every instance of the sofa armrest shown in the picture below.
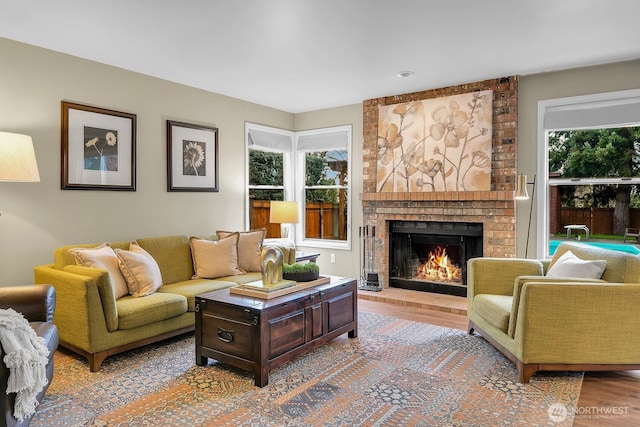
(36, 302)
(579, 323)
(78, 313)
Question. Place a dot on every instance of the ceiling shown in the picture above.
(304, 55)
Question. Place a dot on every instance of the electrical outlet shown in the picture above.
(333, 258)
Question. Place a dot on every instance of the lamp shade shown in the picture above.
(283, 212)
(521, 188)
(17, 158)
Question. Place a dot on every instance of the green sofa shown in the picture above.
(94, 324)
(544, 323)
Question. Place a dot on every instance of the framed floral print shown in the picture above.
(98, 148)
(192, 157)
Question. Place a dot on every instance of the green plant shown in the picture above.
(297, 267)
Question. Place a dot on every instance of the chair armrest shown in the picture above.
(37, 303)
(520, 282)
(496, 276)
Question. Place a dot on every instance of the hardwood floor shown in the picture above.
(606, 398)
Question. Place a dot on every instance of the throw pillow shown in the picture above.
(139, 269)
(569, 265)
(249, 247)
(104, 257)
(217, 258)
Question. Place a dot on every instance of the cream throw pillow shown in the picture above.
(569, 265)
(249, 247)
(213, 259)
(140, 270)
(104, 257)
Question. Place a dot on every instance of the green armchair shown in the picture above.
(544, 323)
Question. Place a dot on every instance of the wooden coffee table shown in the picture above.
(259, 335)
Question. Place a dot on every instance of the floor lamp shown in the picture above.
(522, 194)
(17, 158)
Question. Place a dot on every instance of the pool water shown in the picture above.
(628, 247)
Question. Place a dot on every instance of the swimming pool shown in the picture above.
(632, 249)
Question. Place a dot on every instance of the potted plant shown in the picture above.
(301, 272)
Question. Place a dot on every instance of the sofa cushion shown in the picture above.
(569, 265)
(249, 247)
(62, 257)
(103, 257)
(136, 312)
(140, 270)
(173, 255)
(213, 259)
(190, 288)
(495, 309)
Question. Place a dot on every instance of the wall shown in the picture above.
(347, 262)
(38, 217)
(560, 84)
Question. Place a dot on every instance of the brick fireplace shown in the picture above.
(494, 209)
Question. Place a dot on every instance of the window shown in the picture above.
(269, 153)
(588, 156)
(318, 161)
(323, 163)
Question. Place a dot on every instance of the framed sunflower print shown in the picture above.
(192, 157)
(98, 148)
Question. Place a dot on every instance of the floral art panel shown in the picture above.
(439, 144)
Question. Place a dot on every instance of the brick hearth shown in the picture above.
(495, 209)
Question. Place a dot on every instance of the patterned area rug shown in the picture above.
(396, 373)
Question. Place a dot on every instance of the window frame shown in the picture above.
(301, 187)
(574, 113)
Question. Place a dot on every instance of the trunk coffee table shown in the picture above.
(262, 334)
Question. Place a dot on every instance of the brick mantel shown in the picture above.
(495, 209)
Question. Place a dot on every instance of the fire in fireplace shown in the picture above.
(432, 256)
(439, 267)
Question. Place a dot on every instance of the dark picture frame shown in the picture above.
(98, 148)
(192, 157)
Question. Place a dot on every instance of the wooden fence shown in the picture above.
(322, 220)
(599, 220)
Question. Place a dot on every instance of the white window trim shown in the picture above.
(300, 191)
(567, 106)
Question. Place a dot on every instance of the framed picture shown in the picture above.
(98, 148)
(192, 157)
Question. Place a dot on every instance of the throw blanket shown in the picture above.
(26, 356)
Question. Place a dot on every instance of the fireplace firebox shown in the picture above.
(432, 256)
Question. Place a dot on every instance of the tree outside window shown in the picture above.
(589, 168)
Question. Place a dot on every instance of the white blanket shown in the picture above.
(26, 356)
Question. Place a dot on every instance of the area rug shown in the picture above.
(396, 373)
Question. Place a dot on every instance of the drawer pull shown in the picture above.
(226, 335)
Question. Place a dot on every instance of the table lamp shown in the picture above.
(283, 213)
